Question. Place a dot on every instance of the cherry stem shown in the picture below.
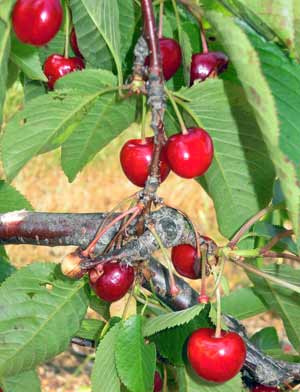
(161, 18)
(203, 38)
(67, 29)
(220, 274)
(173, 288)
(144, 116)
(177, 111)
(219, 315)
(127, 304)
(264, 275)
(165, 383)
(174, 4)
(247, 225)
(92, 245)
(275, 239)
(203, 258)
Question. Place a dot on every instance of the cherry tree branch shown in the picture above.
(53, 229)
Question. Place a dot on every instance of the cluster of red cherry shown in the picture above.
(188, 154)
(36, 23)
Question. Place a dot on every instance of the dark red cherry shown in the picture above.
(207, 64)
(57, 66)
(74, 43)
(135, 157)
(184, 258)
(190, 155)
(158, 384)
(216, 359)
(264, 388)
(170, 56)
(114, 282)
(36, 22)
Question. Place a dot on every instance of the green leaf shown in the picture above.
(127, 24)
(44, 124)
(104, 374)
(11, 199)
(6, 269)
(56, 45)
(246, 62)
(4, 53)
(97, 29)
(268, 231)
(164, 340)
(135, 360)
(89, 81)
(13, 73)
(90, 329)
(284, 302)
(40, 312)
(173, 319)
(27, 58)
(266, 339)
(188, 381)
(32, 89)
(100, 306)
(106, 119)
(241, 175)
(234, 304)
(271, 19)
(26, 381)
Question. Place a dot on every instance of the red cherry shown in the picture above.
(216, 359)
(135, 157)
(115, 281)
(36, 22)
(264, 388)
(205, 64)
(57, 66)
(158, 384)
(184, 258)
(190, 155)
(74, 43)
(170, 56)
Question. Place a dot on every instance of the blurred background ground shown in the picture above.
(100, 187)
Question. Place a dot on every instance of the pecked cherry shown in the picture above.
(158, 384)
(207, 64)
(36, 22)
(216, 359)
(114, 282)
(170, 52)
(135, 158)
(74, 43)
(264, 388)
(56, 66)
(184, 259)
(190, 155)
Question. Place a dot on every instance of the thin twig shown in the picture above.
(275, 239)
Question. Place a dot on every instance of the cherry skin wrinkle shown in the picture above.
(184, 259)
(190, 155)
(135, 158)
(36, 22)
(115, 281)
(216, 359)
(56, 66)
